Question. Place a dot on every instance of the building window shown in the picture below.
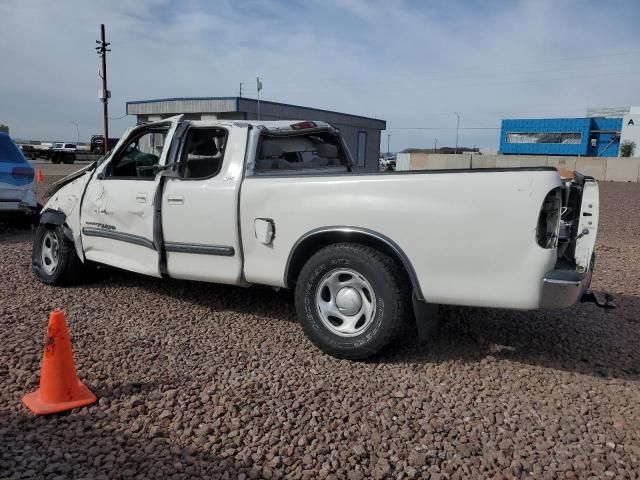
(545, 137)
(362, 149)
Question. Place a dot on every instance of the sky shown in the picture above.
(412, 63)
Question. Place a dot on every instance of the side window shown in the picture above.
(299, 153)
(362, 149)
(139, 156)
(204, 152)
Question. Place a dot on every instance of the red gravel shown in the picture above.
(209, 381)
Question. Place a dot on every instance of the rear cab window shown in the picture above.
(300, 154)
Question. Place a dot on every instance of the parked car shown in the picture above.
(279, 204)
(17, 196)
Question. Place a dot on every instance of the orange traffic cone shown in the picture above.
(60, 388)
(39, 176)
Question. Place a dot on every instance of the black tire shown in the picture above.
(55, 158)
(68, 158)
(391, 290)
(69, 269)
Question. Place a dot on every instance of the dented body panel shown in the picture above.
(67, 200)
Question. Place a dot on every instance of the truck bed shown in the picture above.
(468, 244)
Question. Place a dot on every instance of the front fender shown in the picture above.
(63, 208)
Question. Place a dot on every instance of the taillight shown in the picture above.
(303, 125)
(22, 173)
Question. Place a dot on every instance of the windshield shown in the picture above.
(56, 145)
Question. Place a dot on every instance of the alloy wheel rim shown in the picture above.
(346, 302)
(50, 252)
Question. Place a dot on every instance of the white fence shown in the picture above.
(616, 169)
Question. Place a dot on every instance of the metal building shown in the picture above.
(587, 137)
(362, 134)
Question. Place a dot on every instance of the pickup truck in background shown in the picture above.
(62, 153)
(279, 204)
(68, 153)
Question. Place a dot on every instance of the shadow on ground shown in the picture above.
(585, 338)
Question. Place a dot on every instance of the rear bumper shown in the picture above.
(18, 201)
(563, 288)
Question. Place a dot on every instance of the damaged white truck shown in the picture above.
(279, 204)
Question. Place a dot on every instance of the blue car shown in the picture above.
(16, 180)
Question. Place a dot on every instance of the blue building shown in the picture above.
(587, 137)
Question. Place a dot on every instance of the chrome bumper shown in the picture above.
(563, 288)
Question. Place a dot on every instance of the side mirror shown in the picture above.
(100, 175)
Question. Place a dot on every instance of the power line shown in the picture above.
(443, 128)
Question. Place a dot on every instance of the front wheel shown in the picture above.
(352, 300)
(53, 259)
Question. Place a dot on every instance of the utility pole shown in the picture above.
(435, 145)
(77, 130)
(102, 50)
(240, 90)
(259, 85)
(457, 130)
(388, 141)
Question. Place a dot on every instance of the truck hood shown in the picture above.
(56, 186)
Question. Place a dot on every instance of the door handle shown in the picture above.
(141, 197)
(175, 200)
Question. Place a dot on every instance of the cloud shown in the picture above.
(411, 63)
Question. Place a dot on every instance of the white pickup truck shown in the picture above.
(279, 204)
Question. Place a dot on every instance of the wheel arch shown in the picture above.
(53, 217)
(57, 218)
(316, 239)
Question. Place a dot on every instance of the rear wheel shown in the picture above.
(352, 300)
(68, 158)
(54, 260)
(55, 158)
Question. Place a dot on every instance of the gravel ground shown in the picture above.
(208, 381)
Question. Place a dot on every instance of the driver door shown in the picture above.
(117, 212)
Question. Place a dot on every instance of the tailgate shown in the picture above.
(579, 222)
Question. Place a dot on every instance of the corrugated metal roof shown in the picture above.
(182, 105)
(167, 106)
